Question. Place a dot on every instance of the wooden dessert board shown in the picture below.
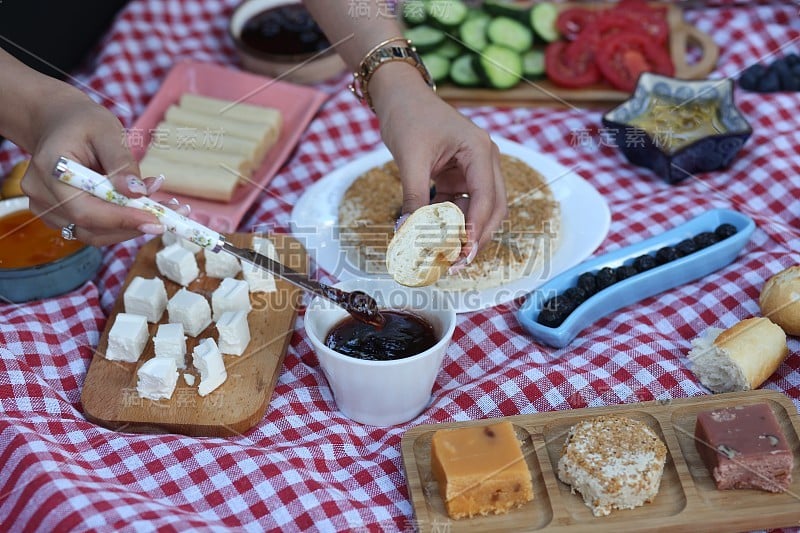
(109, 394)
(542, 92)
(687, 499)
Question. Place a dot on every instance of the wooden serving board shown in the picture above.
(543, 92)
(109, 394)
(687, 499)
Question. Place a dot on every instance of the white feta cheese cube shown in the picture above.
(170, 343)
(231, 295)
(191, 310)
(258, 279)
(189, 379)
(146, 297)
(168, 238)
(178, 264)
(127, 338)
(234, 332)
(221, 264)
(157, 378)
(208, 361)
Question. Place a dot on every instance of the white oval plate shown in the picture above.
(585, 219)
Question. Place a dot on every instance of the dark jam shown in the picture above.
(284, 30)
(402, 335)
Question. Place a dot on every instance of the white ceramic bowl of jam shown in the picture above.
(35, 262)
(279, 38)
(388, 376)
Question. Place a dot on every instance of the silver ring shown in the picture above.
(68, 232)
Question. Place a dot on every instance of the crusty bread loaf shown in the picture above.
(602, 451)
(739, 358)
(426, 244)
(780, 300)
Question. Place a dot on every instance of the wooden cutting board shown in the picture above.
(109, 394)
(687, 499)
(544, 93)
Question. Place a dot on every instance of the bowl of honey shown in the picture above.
(679, 128)
(279, 38)
(35, 262)
(382, 375)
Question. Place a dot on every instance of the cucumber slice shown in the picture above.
(510, 33)
(473, 33)
(507, 8)
(500, 66)
(438, 66)
(543, 21)
(449, 49)
(425, 38)
(533, 63)
(462, 71)
(447, 14)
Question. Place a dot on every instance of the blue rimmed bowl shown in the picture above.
(641, 285)
(49, 279)
(678, 127)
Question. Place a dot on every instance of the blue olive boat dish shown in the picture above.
(677, 127)
(684, 253)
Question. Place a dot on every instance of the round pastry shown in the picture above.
(615, 462)
(780, 300)
(374, 201)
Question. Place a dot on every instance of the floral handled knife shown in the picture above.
(359, 304)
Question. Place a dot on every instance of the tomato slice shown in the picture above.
(571, 65)
(571, 22)
(623, 57)
(615, 21)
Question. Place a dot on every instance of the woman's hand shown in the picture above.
(432, 141)
(69, 124)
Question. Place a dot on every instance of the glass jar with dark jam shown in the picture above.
(402, 335)
(285, 30)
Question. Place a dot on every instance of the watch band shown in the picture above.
(380, 55)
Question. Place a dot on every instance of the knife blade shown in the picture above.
(359, 304)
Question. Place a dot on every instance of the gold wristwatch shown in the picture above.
(380, 55)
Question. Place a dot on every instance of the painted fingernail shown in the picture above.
(400, 221)
(473, 251)
(173, 202)
(135, 185)
(184, 210)
(156, 184)
(456, 267)
(151, 229)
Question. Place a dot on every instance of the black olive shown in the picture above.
(769, 82)
(560, 304)
(576, 294)
(724, 231)
(605, 278)
(750, 77)
(644, 262)
(705, 239)
(549, 318)
(666, 254)
(785, 77)
(625, 272)
(588, 283)
(686, 247)
(792, 59)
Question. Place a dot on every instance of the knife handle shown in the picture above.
(85, 179)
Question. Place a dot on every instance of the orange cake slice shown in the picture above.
(480, 470)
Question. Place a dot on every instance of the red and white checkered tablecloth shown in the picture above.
(305, 466)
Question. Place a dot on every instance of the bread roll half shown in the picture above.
(739, 358)
(427, 243)
(780, 300)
